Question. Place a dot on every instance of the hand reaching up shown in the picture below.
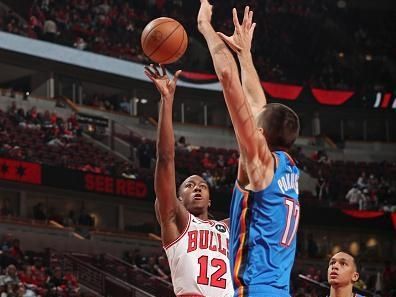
(164, 85)
(241, 41)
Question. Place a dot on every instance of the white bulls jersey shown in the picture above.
(198, 260)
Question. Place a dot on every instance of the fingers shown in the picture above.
(149, 72)
(251, 31)
(245, 16)
(154, 67)
(249, 20)
(235, 19)
(149, 75)
(154, 72)
(163, 70)
(177, 74)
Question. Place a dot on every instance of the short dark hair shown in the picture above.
(281, 126)
(356, 260)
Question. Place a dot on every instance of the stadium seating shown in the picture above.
(50, 142)
(330, 57)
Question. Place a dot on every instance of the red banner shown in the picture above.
(19, 171)
(393, 216)
(282, 91)
(198, 76)
(331, 97)
(115, 186)
(363, 214)
(386, 100)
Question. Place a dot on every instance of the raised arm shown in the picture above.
(241, 42)
(251, 141)
(171, 214)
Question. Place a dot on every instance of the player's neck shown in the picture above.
(341, 292)
(203, 216)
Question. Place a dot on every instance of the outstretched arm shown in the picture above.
(241, 42)
(251, 141)
(172, 216)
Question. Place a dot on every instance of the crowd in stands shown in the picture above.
(72, 218)
(325, 44)
(378, 281)
(109, 103)
(157, 265)
(216, 165)
(219, 167)
(372, 193)
(31, 274)
(45, 137)
(334, 179)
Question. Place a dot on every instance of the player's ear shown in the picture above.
(355, 277)
(261, 130)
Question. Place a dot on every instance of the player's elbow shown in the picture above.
(224, 74)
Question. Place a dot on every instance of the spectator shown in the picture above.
(354, 195)
(70, 219)
(181, 144)
(16, 251)
(56, 282)
(6, 209)
(364, 200)
(207, 163)
(220, 161)
(125, 105)
(362, 182)
(154, 268)
(38, 212)
(50, 30)
(80, 43)
(321, 189)
(85, 219)
(232, 160)
(145, 154)
(11, 276)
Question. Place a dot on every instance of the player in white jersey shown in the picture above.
(197, 248)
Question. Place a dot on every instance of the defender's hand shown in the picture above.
(241, 41)
(204, 14)
(164, 85)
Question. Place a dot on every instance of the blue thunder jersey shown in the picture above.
(263, 227)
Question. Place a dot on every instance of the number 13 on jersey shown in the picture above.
(292, 219)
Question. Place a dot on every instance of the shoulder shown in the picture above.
(286, 157)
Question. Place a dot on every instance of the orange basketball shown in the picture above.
(164, 40)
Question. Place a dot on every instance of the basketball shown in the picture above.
(164, 40)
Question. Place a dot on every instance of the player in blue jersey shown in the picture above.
(264, 210)
(342, 274)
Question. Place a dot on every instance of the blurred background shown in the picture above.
(78, 126)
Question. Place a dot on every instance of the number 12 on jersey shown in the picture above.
(292, 219)
(216, 279)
